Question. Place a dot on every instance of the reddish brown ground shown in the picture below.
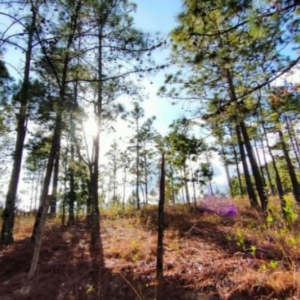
(203, 260)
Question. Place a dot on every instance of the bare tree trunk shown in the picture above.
(137, 186)
(31, 194)
(259, 162)
(36, 192)
(277, 176)
(291, 126)
(267, 169)
(289, 130)
(186, 187)
(124, 188)
(260, 186)
(45, 200)
(94, 170)
(172, 185)
(292, 173)
(242, 127)
(228, 179)
(10, 202)
(72, 194)
(249, 186)
(53, 207)
(55, 145)
(194, 191)
(146, 179)
(238, 171)
(160, 229)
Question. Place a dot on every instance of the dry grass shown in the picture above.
(224, 258)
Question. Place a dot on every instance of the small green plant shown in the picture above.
(240, 236)
(270, 219)
(134, 250)
(274, 264)
(134, 245)
(263, 267)
(90, 289)
(290, 214)
(135, 257)
(253, 250)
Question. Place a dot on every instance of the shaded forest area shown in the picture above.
(236, 62)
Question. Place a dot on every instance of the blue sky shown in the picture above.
(157, 15)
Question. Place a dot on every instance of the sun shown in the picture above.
(90, 128)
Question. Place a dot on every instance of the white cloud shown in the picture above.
(290, 78)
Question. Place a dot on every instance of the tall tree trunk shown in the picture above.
(10, 202)
(65, 199)
(249, 186)
(260, 186)
(261, 189)
(194, 191)
(72, 194)
(160, 229)
(95, 195)
(124, 188)
(227, 171)
(53, 208)
(238, 170)
(146, 179)
(89, 201)
(292, 173)
(277, 176)
(36, 192)
(228, 179)
(55, 144)
(137, 185)
(45, 200)
(289, 130)
(172, 185)
(115, 181)
(32, 193)
(186, 187)
(294, 135)
(259, 162)
(94, 171)
(267, 169)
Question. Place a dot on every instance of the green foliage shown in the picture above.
(240, 239)
(289, 210)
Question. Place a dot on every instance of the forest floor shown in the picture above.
(206, 257)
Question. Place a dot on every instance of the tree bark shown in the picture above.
(292, 173)
(53, 208)
(160, 229)
(290, 133)
(260, 186)
(249, 186)
(262, 173)
(172, 185)
(45, 200)
(277, 176)
(55, 143)
(72, 194)
(238, 171)
(267, 170)
(186, 187)
(10, 202)
(137, 186)
(261, 189)
(146, 179)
